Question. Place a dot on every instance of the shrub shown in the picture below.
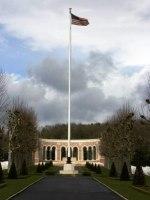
(92, 167)
(50, 172)
(139, 158)
(87, 164)
(139, 178)
(95, 168)
(48, 164)
(86, 173)
(39, 168)
(12, 172)
(24, 169)
(113, 172)
(1, 174)
(42, 167)
(124, 173)
(98, 169)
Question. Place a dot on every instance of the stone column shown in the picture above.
(58, 158)
(40, 150)
(80, 156)
(97, 153)
(45, 152)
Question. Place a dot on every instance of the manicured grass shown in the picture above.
(123, 187)
(15, 185)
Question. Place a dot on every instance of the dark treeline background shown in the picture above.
(89, 131)
(78, 131)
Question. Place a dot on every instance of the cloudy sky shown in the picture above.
(111, 56)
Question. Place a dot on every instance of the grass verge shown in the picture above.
(15, 185)
(123, 187)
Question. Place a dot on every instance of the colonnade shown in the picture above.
(59, 153)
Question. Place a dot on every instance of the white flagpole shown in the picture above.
(69, 90)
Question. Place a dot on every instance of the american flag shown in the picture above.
(75, 20)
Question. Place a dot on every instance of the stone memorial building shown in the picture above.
(81, 151)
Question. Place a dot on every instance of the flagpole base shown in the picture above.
(68, 169)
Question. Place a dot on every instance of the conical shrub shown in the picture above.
(24, 169)
(43, 166)
(124, 173)
(113, 171)
(39, 168)
(1, 174)
(139, 178)
(51, 163)
(12, 172)
(98, 169)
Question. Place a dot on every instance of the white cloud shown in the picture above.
(106, 92)
(114, 24)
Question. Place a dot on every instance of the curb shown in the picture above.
(110, 188)
(24, 188)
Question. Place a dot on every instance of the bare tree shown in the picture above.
(119, 140)
(22, 126)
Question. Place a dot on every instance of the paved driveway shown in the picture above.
(67, 188)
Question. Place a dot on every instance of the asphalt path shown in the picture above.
(67, 188)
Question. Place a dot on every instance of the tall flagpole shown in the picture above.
(69, 90)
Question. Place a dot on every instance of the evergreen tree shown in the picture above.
(139, 158)
(1, 173)
(92, 166)
(12, 172)
(139, 178)
(43, 166)
(39, 168)
(50, 163)
(24, 170)
(95, 168)
(98, 169)
(113, 172)
(47, 165)
(124, 173)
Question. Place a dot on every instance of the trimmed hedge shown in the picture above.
(51, 172)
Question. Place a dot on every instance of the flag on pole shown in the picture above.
(75, 20)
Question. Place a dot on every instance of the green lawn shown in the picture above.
(123, 187)
(13, 186)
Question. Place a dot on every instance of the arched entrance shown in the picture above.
(84, 153)
(63, 152)
(90, 153)
(53, 152)
(94, 153)
(75, 152)
(48, 153)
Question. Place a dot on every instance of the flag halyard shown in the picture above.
(75, 20)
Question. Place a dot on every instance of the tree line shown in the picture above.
(78, 131)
